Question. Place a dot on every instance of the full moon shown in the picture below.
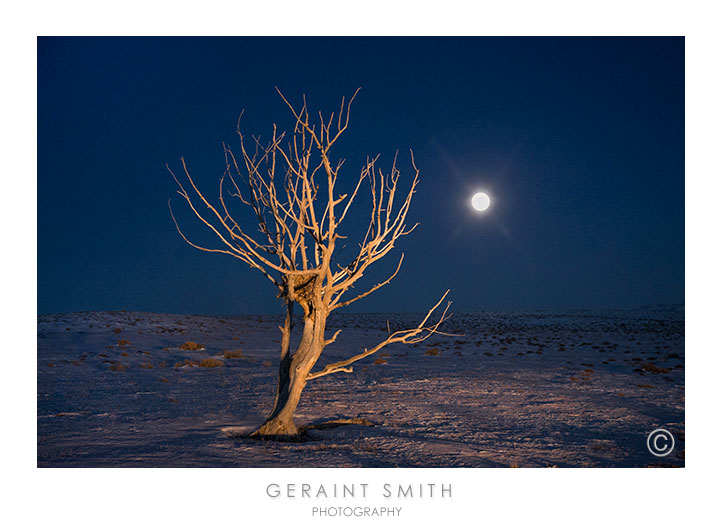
(480, 201)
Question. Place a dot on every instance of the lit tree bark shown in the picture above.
(299, 227)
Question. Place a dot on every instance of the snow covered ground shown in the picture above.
(530, 390)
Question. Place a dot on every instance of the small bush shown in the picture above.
(192, 345)
(211, 362)
(119, 367)
(146, 365)
(233, 354)
(123, 342)
(267, 363)
(651, 367)
(432, 352)
(380, 361)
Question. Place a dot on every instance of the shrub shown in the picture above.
(211, 362)
(192, 345)
(651, 367)
(233, 354)
(432, 352)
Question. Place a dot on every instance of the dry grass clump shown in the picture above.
(191, 345)
(146, 365)
(651, 367)
(233, 354)
(119, 367)
(380, 361)
(123, 342)
(432, 352)
(211, 362)
(207, 362)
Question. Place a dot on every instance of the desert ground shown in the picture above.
(537, 389)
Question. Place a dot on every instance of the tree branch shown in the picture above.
(410, 336)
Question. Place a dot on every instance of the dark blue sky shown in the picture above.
(579, 141)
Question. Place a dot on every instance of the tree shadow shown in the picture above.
(305, 433)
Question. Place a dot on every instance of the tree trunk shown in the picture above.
(292, 376)
(285, 349)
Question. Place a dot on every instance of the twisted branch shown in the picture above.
(413, 335)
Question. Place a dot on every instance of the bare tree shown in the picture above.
(279, 181)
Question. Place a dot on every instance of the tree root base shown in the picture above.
(277, 428)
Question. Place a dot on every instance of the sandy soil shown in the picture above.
(578, 389)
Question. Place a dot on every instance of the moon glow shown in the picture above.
(480, 201)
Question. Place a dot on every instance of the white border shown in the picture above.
(193, 499)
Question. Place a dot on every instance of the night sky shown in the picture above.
(579, 142)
